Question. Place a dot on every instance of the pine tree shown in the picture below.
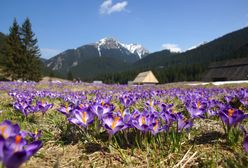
(21, 54)
(13, 53)
(70, 76)
(32, 64)
(2, 44)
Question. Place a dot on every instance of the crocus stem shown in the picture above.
(85, 134)
(110, 138)
(224, 127)
(126, 138)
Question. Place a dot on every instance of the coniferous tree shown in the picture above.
(31, 62)
(13, 53)
(51, 74)
(21, 54)
(2, 47)
(70, 76)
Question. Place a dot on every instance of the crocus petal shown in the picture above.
(2, 140)
(33, 147)
(246, 143)
(16, 159)
(74, 121)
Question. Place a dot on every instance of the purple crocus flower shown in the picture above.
(15, 150)
(107, 109)
(167, 114)
(105, 100)
(155, 127)
(112, 123)
(127, 118)
(23, 107)
(232, 117)
(82, 117)
(126, 101)
(81, 106)
(197, 109)
(7, 129)
(102, 110)
(135, 114)
(183, 123)
(245, 143)
(43, 106)
(97, 110)
(243, 96)
(229, 98)
(244, 101)
(214, 107)
(66, 109)
(36, 135)
(151, 105)
(142, 122)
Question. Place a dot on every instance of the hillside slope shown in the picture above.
(216, 50)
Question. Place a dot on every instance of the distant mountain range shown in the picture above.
(109, 56)
(106, 55)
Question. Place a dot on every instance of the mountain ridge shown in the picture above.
(121, 54)
(215, 50)
(109, 47)
(224, 47)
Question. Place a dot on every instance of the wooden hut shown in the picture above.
(145, 78)
(236, 69)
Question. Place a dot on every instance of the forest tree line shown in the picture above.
(20, 54)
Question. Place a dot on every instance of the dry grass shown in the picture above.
(205, 146)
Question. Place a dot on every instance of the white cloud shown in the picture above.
(107, 7)
(49, 52)
(171, 47)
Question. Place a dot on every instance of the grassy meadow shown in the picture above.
(156, 124)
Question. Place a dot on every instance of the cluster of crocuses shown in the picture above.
(15, 149)
(146, 109)
(26, 102)
(114, 120)
(155, 115)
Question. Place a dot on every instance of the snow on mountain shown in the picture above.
(197, 45)
(111, 43)
(108, 43)
(106, 48)
(136, 49)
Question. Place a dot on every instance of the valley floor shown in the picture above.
(68, 145)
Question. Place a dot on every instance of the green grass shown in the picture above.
(67, 145)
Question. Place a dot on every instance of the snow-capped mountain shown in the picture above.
(111, 43)
(136, 49)
(104, 49)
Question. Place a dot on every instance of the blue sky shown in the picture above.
(156, 24)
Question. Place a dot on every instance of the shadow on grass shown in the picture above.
(208, 138)
(70, 134)
(94, 147)
(103, 136)
(121, 139)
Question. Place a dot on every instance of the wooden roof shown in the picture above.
(145, 77)
(229, 63)
(236, 69)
